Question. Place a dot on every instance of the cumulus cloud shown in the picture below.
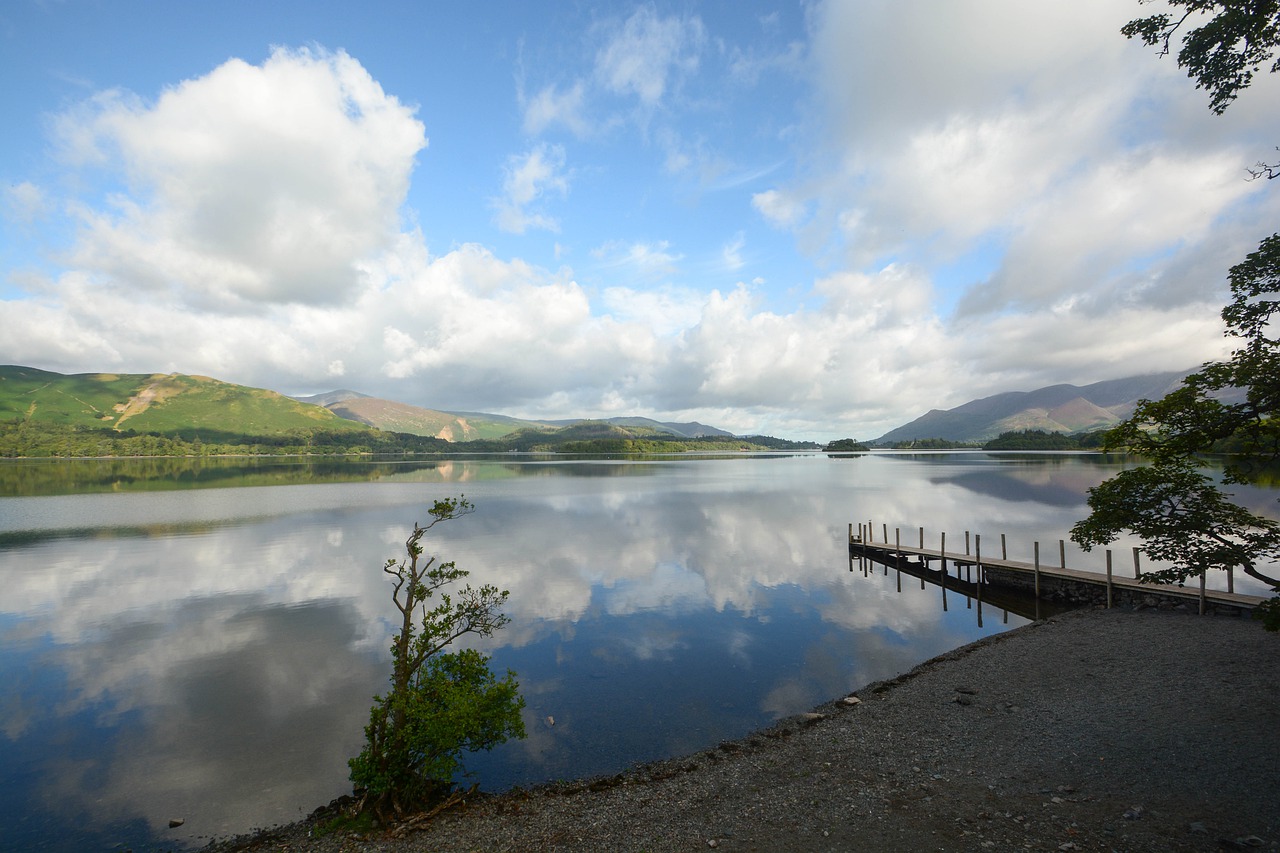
(250, 185)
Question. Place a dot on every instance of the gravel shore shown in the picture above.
(1095, 730)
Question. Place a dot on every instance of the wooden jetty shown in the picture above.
(994, 579)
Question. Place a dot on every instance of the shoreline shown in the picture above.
(1092, 730)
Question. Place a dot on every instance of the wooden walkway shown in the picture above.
(1034, 577)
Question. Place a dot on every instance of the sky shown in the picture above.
(812, 220)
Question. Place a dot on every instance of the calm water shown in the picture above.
(201, 640)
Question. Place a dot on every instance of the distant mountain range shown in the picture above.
(1056, 408)
(177, 404)
(469, 426)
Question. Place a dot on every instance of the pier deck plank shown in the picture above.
(1056, 571)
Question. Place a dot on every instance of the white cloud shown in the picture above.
(252, 184)
(528, 178)
(25, 202)
(552, 106)
(648, 53)
(778, 209)
(643, 260)
(731, 252)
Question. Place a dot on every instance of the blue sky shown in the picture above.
(806, 219)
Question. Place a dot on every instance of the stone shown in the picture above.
(1133, 813)
(176, 822)
(851, 700)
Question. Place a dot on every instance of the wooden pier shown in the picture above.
(992, 578)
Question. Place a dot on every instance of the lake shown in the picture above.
(200, 639)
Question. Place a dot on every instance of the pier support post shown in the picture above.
(1137, 569)
(1062, 552)
(1004, 549)
(1108, 578)
(1037, 558)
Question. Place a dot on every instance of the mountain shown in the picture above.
(470, 426)
(1056, 408)
(692, 429)
(170, 404)
(401, 417)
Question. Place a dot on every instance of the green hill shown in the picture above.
(168, 404)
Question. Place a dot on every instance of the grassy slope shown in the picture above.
(172, 405)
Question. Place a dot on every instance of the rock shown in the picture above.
(1251, 841)
(811, 718)
(176, 822)
(1133, 813)
(1197, 828)
(963, 699)
(968, 691)
(851, 700)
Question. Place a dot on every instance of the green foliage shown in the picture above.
(1032, 439)
(846, 445)
(441, 703)
(1182, 518)
(930, 444)
(1223, 53)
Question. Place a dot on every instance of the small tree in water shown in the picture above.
(441, 703)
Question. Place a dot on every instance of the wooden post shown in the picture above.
(1004, 550)
(851, 531)
(966, 543)
(977, 559)
(1231, 578)
(897, 555)
(1108, 578)
(886, 534)
(921, 538)
(1202, 574)
(870, 535)
(1037, 549)
(1062, 552)
(1137, 569)
(942, 561)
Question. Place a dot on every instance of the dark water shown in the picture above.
(201, 640)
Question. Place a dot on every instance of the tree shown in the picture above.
(1180, 514)
(441, 703)
(1223, 53)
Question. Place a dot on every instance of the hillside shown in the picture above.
(414, 420)
(169, 404)
(1055, 408)
(473, 426)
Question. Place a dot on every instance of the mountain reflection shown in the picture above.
(211, 654)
